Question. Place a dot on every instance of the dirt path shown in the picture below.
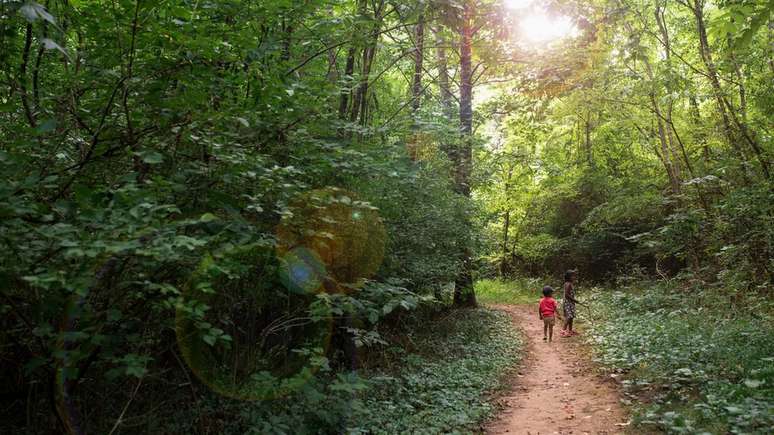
(556, 390)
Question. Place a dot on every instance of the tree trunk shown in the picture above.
(587, 139)
(466, 101)
(287, 39)
(671, 132)
(706, 56)
(349, 68)
(445, 90)
(506, 222)
(699, 134)
(419, 45)
(463, 288)
(725, 107)
(667, 154)
(771, 44)
(443, 74)
(360, 104)
(503, 259)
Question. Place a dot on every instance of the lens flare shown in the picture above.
(240, 330)
(302, 271)
(332, 227)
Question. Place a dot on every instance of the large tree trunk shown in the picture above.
(419, 46)
(463, 289)
(466, 102)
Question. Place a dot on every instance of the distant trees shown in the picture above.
(665, 87)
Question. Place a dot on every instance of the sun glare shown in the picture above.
(535, 25)
(517, 4)
(539, 27)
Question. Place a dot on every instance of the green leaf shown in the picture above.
(208, 217)
(152, 158)
(47, 125)
(753, 383)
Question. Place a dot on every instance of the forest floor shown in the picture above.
(556, 389)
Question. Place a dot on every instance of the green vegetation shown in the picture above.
(217, 215)
(519, 291)
(443, 390)
(436, 378)
(689, 365)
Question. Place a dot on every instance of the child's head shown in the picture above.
(569, 276)
(548, 291)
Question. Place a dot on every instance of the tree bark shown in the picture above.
(464, 295)
(419, 45)
(667, 154)
(360, 103)
(349, 67)
(447, 102)
(506, 223)
(724, 106)
(443, 74)
(587, 139)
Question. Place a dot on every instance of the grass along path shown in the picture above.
(557, 390)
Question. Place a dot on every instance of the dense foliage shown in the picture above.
(227, 207)
(642, 144)
(226, 196)
(689, 367)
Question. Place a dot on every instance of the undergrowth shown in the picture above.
(443, 388)
(435, 376)
(518, 291)
(690, 360)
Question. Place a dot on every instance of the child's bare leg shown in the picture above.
(569, 324)
(545, 330)
(550, 333)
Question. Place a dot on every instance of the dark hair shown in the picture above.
(547, 290)
(568, 275)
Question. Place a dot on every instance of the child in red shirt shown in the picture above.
(547, 311)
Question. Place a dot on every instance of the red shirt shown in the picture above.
(547, 306)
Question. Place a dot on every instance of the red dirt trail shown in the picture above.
(556, 390)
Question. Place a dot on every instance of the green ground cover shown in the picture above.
(689, 360)
(436, 376)
(519, 291)
(442, 387)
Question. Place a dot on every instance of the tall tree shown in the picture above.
(463, 291)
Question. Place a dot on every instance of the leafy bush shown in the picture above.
(441, 388)
(694, 363)
(436, 381)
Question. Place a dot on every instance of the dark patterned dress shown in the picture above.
(569, 306)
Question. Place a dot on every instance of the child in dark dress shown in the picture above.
(569, 303)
